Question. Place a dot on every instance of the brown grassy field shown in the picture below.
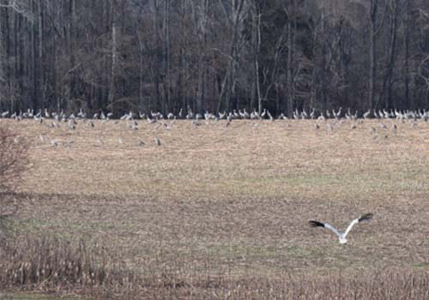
(230, 205)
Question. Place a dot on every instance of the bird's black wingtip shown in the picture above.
(366, 217)
(316, 224)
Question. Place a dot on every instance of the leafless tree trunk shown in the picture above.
(167, 57)
(390, 61)
(41, 55)
(71, 49)
(235, 20)
(256, 35)
(141, 70)
(375, 25)
(201, 17)
(291, 30)
(4, 35)
(407, 53)
(34, 66)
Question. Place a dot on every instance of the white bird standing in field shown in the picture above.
(342, 236)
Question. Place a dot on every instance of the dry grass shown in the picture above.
(232, 203)
(13, 158)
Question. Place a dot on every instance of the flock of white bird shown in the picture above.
(132, 119)
(235, 114)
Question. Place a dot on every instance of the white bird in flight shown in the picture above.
(342, 236)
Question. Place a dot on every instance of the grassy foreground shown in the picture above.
(221, 211)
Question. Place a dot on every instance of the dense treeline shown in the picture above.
(211, 55)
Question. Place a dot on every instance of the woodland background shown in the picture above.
(215, 55)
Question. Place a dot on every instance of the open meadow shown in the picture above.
(220, 211)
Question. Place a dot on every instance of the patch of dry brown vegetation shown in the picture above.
(49, 263)
(59, 267)
(13, 158)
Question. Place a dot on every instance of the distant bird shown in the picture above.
(133, 125)
(366, 115)
(337, 114)
(246, 114)
(313, 113)
(255, 115)
(151, 121)
(81, 114)
(342, 236)
(156, 115)
(70, 124)
(235, 114)
(55, 125)
(190, 114)
(304, 114)
(157, 141)
(38, 119)
(282, 117)
(124, 117)
(264, 113)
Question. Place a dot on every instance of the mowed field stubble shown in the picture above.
(233, 201)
